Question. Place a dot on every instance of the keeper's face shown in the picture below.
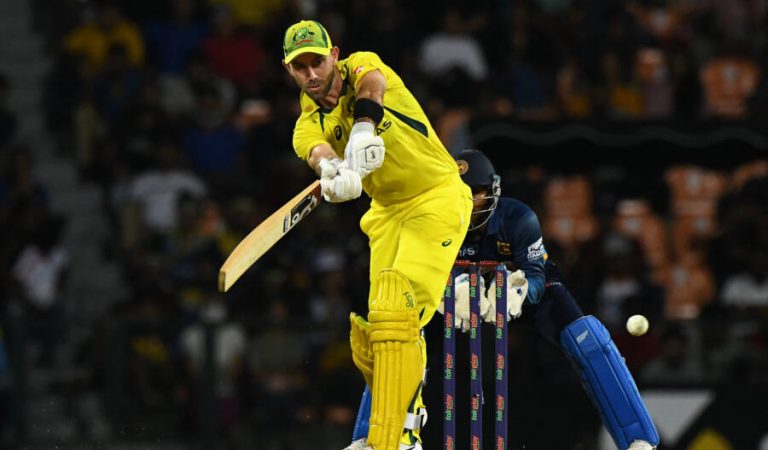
(314, 73)
(481, 198)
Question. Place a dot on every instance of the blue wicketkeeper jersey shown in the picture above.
(512, 234)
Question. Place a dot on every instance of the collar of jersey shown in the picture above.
(306, 100)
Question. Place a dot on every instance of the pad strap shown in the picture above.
(414, 421)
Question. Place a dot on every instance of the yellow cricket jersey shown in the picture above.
(415, 159)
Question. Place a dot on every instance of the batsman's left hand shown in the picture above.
(364, 152)
(517, 290)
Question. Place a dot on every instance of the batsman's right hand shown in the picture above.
(329, 167)
(344, 186)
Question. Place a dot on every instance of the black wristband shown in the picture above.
(365, 107)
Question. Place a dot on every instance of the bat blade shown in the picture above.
(266, 234)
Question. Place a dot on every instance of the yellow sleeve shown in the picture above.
(306, 136)
(360, 63)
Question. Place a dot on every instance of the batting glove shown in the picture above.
(329, 167)
(364, 152)
(345, 186)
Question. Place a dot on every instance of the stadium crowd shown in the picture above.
(181, 112)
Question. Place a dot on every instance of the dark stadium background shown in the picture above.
(140, 141)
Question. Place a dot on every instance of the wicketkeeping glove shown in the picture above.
(517, 290)
(461, 296)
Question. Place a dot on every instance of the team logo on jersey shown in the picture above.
(536, 250)
(463, 166)
(308, 108)
(337, 132)
(358, 69)
(503, 248)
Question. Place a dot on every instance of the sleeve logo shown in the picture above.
(536, 250)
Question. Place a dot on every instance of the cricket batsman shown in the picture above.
(361, 129)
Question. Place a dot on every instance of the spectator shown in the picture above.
(523, 87)
(735, 347)
(623, 99)
(677, 364)
(170, 42)
(689, 286)
(234, 54)
(177, 93)
(452, 47)
(118, 85)
(729, 81)
(653, 76)
(329, 306)
(40, 271)
(142, 126)
(229, 345)
(574, 91)
(734, 21)
(149, 338)
(275, 358)
(94, 38)
(23, 205)
(253, 13)
(158, 190)
(212, 143)
(625, 289)
(749, 289)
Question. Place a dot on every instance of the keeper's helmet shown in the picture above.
(477, 171)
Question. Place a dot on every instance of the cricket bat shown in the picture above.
(266, 234)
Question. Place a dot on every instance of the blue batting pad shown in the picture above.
(608, 382)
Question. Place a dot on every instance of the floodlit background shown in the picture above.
(141, 140)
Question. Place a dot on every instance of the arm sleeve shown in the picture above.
(306, 135)
(360, 63)
(529, 254)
